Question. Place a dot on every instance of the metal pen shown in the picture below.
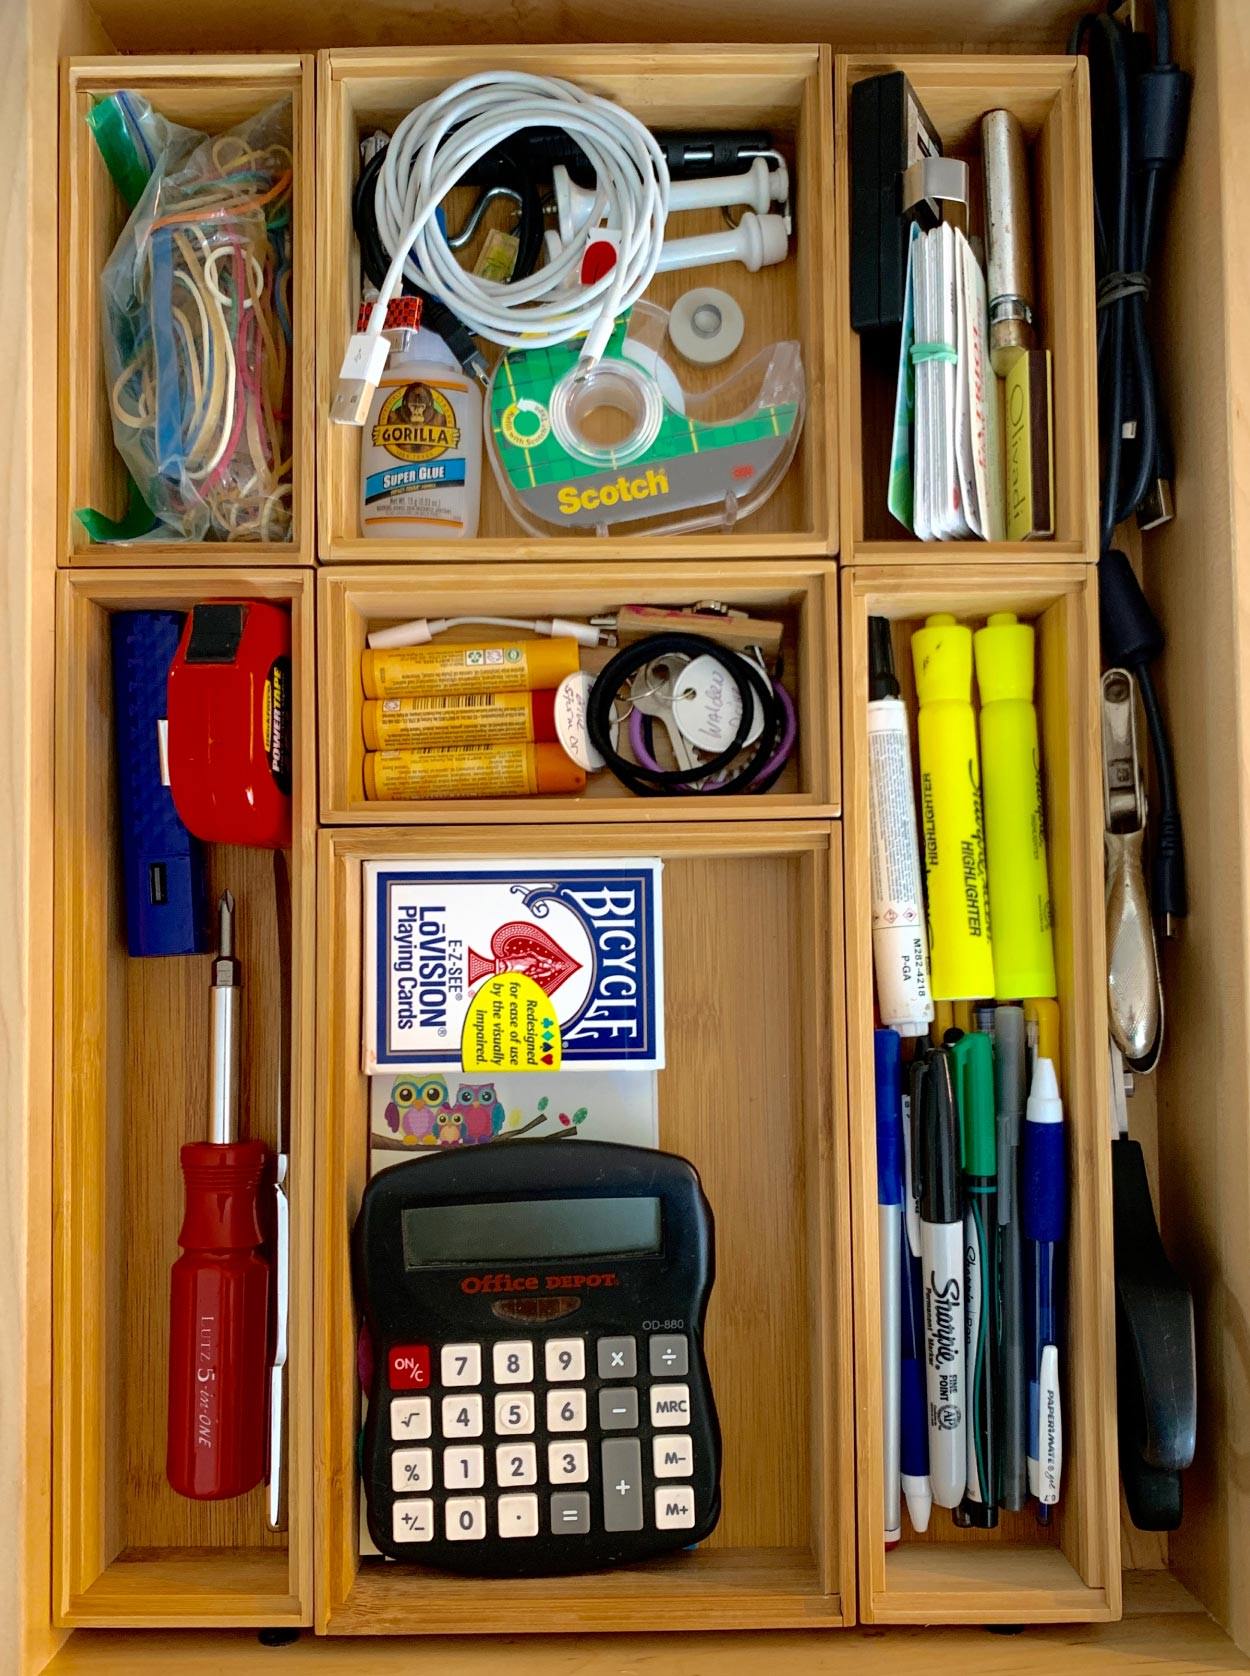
(1008, 237)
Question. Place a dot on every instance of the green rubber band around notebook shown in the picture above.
(933, 352)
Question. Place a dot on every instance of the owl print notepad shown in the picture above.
(585, 937)
(419, 1116)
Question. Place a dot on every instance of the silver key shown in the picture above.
(653, 695)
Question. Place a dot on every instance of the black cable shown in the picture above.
(375, 259)
(1139, 110)
(751, 686)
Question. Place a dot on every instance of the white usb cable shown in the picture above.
(440, 141)
(423, 629)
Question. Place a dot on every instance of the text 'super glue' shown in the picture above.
(960, 952)
(421, 452)
(899, 944)
(1015, 831)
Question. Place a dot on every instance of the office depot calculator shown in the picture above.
(540, 1400)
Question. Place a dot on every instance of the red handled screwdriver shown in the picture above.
(219, 1294)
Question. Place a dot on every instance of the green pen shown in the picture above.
(973, 1056)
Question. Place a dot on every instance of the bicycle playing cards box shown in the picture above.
(513, 966)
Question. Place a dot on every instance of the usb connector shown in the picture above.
(359, 377)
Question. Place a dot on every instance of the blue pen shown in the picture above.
(914, 1453)
(887, 1050)
(1044, 1216)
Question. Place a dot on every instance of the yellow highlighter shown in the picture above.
(1015, 832)
(961, 960)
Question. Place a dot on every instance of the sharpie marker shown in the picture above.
(900, 943)
(942, 1271)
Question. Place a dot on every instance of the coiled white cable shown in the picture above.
(439, 141)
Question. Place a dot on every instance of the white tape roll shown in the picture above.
(706, 326)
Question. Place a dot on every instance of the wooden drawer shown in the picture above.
(752, 1095)
(1020, 1572)
(131, 1057)
(802, 595)
(1050, 96)
(785, 89)
(210, 94)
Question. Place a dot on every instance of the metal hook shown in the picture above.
(457, 241)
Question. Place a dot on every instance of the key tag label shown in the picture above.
(572, 698)
(707, 708)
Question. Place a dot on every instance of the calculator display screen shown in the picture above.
(529, 1230)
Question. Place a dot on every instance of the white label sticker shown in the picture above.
(707, 708)
(572, 697)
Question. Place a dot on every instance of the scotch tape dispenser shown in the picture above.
(626, 448)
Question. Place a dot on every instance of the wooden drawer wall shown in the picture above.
(785, 89)
(1020, 1572)
(755, 893)
(130, 1086)
(215, 95)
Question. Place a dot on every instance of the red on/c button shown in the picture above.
(410, 1367)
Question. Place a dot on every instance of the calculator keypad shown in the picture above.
(512, 1444)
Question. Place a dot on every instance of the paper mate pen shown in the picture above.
(900, 944)
(942, 1280)
(448, 666)
(913, 1421)
(1044, 1216)
(961, 962)
(887, 1065)
(1015, 831)
(973, 1057)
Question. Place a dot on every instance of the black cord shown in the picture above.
(751, 685)
(375, 259)
(1139, 110)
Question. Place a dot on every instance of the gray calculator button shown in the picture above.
(618, 1408)
(570, 1513)
(618, 1358)
(621, 1458)
(670, 1356)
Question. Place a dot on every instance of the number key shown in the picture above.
(514, 1413)
(516, 1463)
(568, 1462)
(566, 1411)
(464, 1469)
(565, 1358)
(462, 1364)
(513, 1361)
(462, 1416)
(465, 1518)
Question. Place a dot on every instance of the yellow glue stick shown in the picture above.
(396, 724)
(960, 956)
(1015, 832)
(448, 666)
(483, 771)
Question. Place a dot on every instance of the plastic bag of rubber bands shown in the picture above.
(197, 336)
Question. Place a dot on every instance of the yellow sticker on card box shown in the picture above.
(511, 1025)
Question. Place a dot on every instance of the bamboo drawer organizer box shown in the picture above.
(768, 959)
